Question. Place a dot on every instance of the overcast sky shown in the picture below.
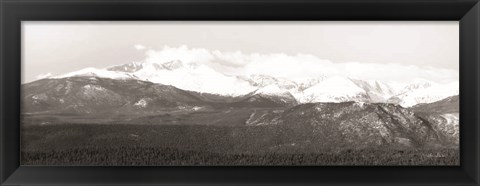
(367, 50)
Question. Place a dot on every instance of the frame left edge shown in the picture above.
(9, 98)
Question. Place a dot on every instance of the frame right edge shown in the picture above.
(469, 109)
(2, 140)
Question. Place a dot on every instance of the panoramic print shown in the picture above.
(240, 93)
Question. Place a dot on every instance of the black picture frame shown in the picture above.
(467, 12)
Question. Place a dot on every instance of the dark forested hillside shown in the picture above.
(85, 144)
(447, 105)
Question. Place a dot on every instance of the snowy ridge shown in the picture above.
(380, 90)
(195, 78)
(335, 89)
(418, 83)
(102, 73)
(204, 79)
(270, 90)
(428, 94)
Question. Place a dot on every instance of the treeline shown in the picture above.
(138, 156)
(183, 137)
(95, 144)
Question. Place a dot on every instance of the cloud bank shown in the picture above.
(297, 65)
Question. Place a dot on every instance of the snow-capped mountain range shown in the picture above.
(204, 79)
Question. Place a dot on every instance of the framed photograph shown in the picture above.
(239, 92)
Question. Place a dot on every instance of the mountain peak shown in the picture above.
(129, 67)
(420, 83)
(172, 65)
(335, 89)
(429, 94)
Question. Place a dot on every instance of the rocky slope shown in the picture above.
(444, 106)
(445, 114)
(359, 125)
(92, 95)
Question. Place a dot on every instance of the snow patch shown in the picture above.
(141, 103)
(190, 108)
(360, 104)
(68, 88)
(42, 97)
(452, 119)
(94, 88)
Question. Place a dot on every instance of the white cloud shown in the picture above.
(139, 47)
(44, 75)
(297, 66)
(182, 53)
